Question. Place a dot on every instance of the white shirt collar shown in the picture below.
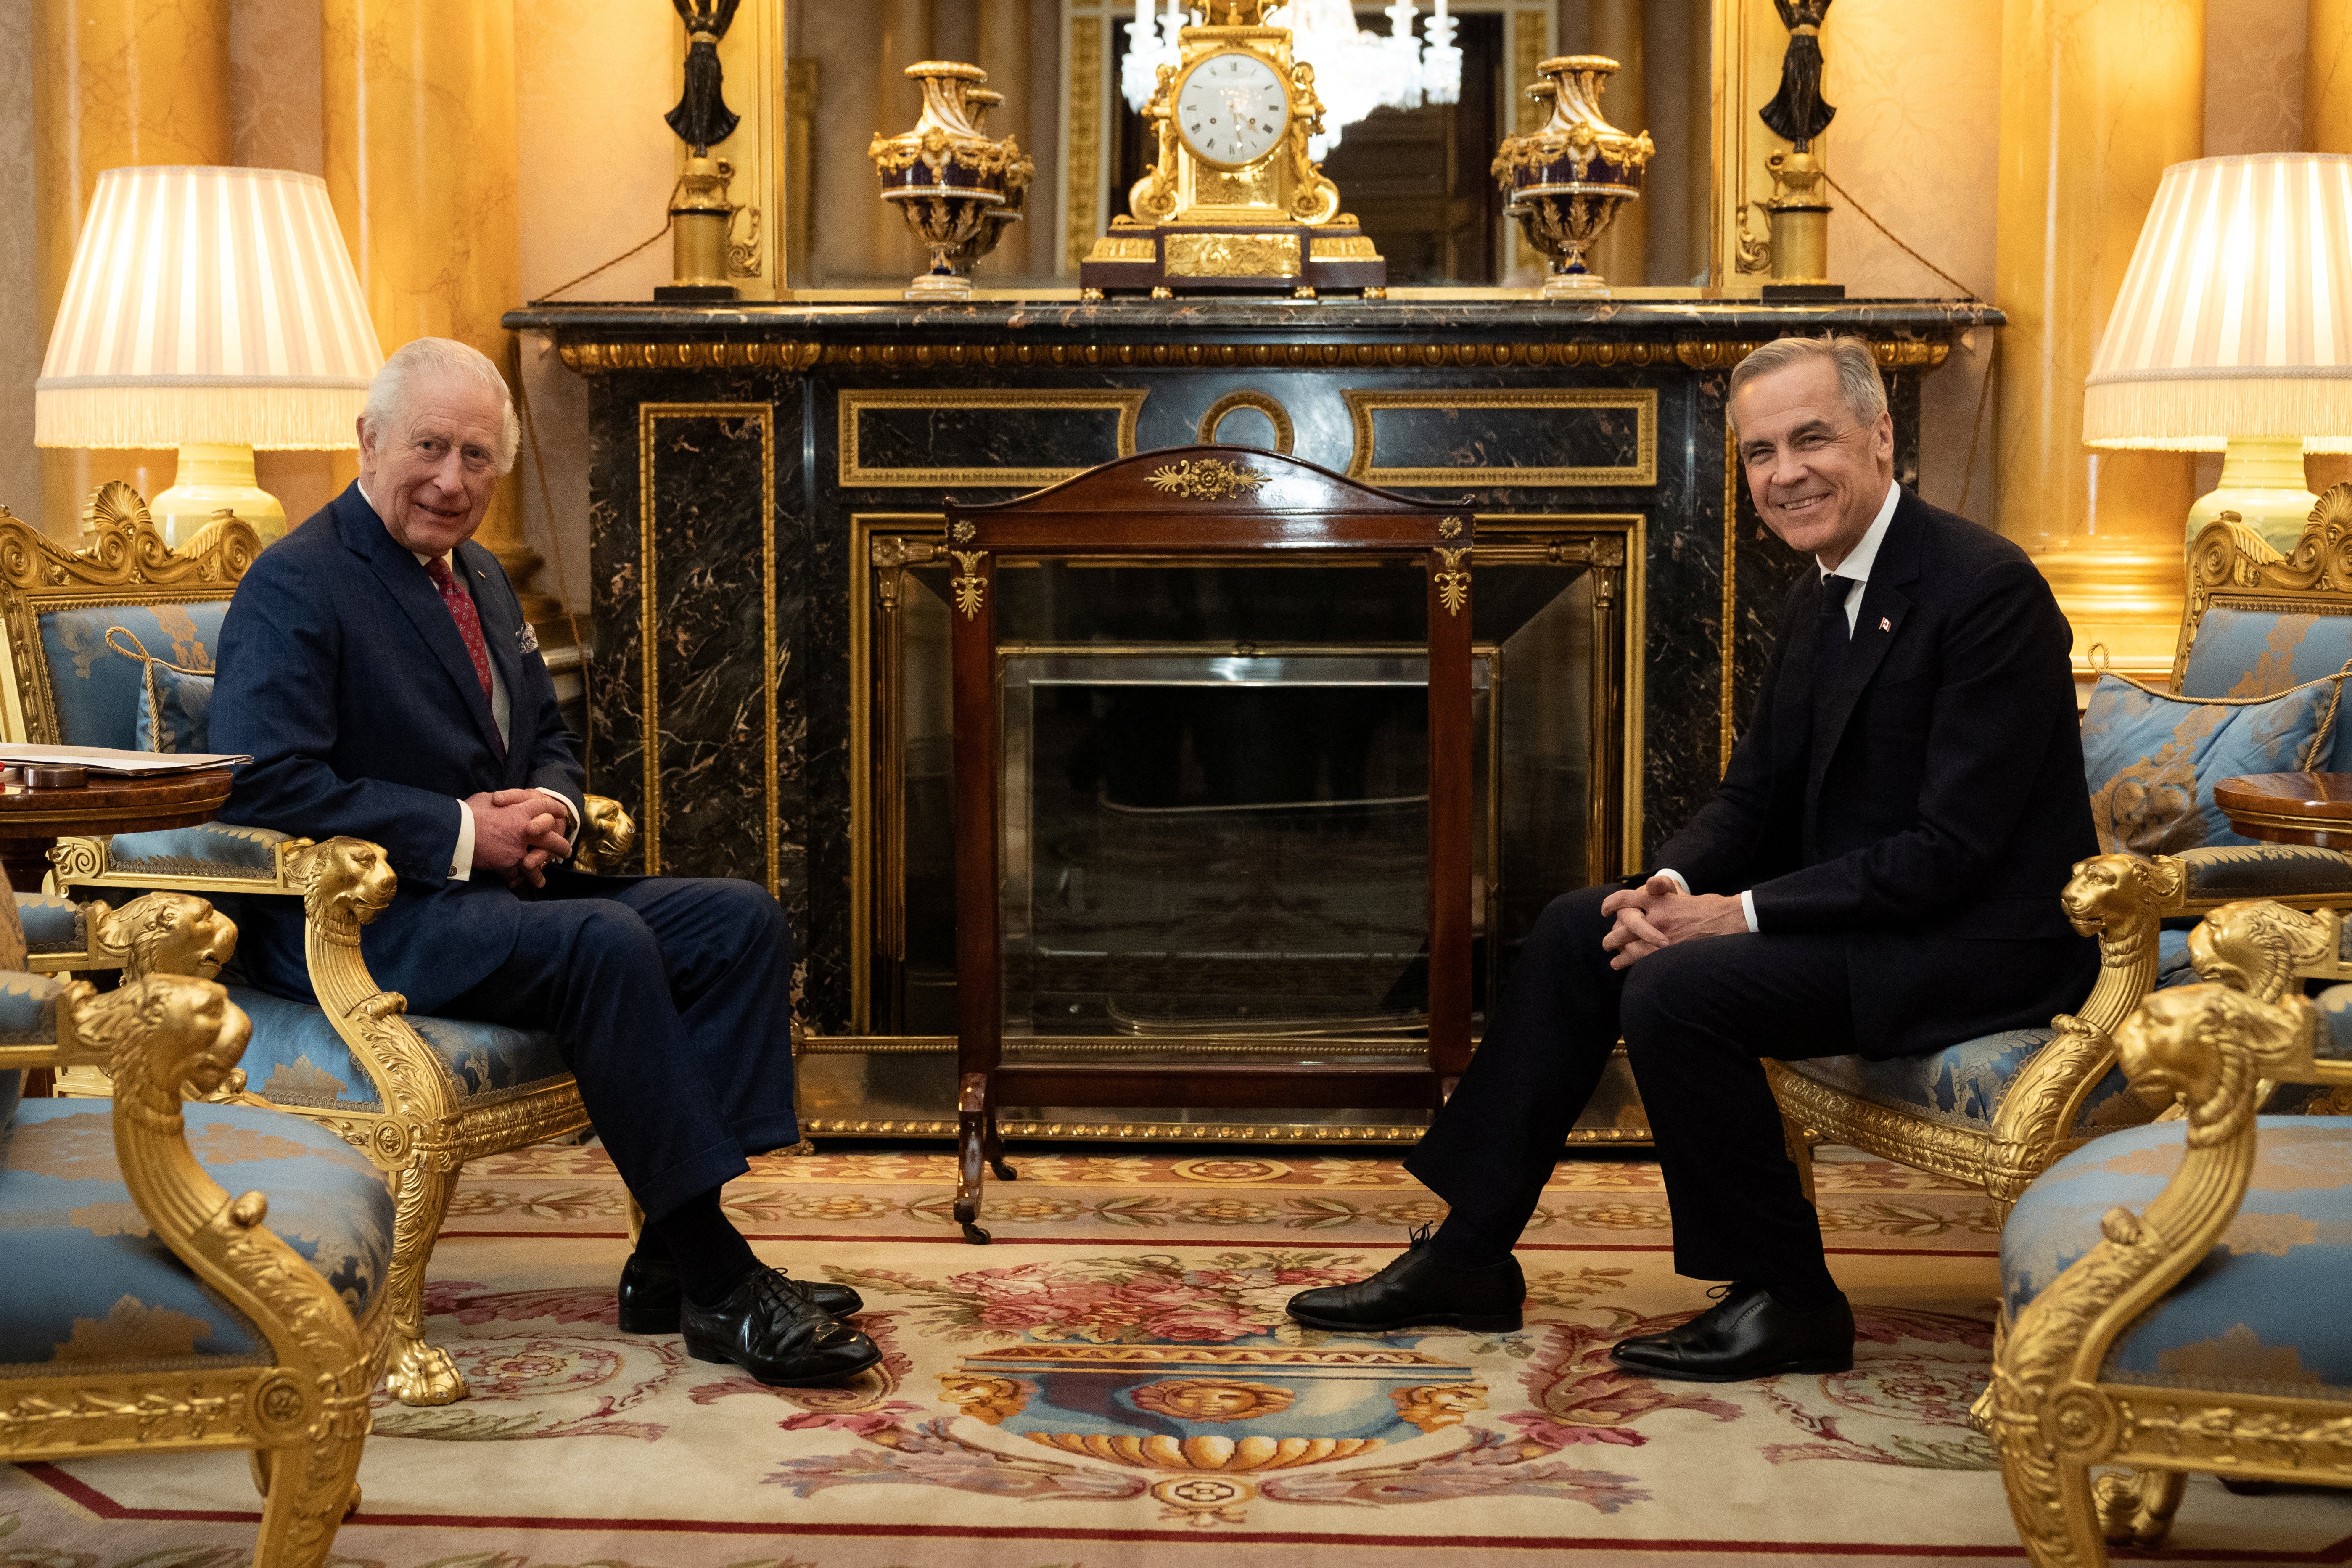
(1855, 567)
(422, 560)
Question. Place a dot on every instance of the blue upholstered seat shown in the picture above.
(1961, 1086)
(297, 1058)
(97, 688)
(91, 1290)
(51, 925)
(210, 849)
(2265, 1312)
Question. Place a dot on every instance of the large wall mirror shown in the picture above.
(815, 82)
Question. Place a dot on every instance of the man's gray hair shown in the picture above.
(430, 359)
(1857, 370)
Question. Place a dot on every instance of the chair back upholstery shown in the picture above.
(61, 684)
(2259, 622)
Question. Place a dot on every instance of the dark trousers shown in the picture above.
(1695, 1017)
(671, 1001)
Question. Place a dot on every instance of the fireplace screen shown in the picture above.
(1217, 845)
(1215, 790)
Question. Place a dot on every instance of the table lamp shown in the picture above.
(2233, 332)
(213, 309)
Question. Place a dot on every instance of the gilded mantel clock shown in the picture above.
(1232, 204)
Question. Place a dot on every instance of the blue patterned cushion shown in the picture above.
(51, 925)
(1961, 1086)
(11, 1094)
(97, 688)
(174, 711)
(2265, 871)
(2264, 1314)
(28, 1008)
(297, 1058)
(2151, 761)
(217, 849)
(2334, 1042)
(90, 1288)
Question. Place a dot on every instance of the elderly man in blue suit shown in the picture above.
(376, 665)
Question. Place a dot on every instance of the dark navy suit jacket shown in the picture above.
(1924, 799)
(340, 671)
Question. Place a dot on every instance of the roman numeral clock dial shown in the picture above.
(1232, 109)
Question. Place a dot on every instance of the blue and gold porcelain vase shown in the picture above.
(1566, 179)
(948, 177)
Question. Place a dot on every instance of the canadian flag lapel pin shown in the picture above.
(1884, 624)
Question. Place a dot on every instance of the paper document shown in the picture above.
(106, 759)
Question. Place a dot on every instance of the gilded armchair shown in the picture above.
(419, 1095)
(2173, 1295)
(150, 1307)
(1999, 1111)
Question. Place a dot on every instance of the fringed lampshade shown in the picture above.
(2233, 330)
(208, 308)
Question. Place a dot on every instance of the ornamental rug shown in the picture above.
(1113, 1384)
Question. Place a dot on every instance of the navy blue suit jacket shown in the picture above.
(340, 671)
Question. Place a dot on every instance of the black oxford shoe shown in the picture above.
(1748, 1333)
(769, 1327)
(1416, 1290)
(650, 1296)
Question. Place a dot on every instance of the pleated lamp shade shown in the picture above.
(207, 305)
(2235, 318)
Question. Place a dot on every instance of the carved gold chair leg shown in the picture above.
(307, 1490)
(1800, 1146)
(418, 1373)
(636, 1217)
(2135, 1507)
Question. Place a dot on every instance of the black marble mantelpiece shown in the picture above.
(736, 413)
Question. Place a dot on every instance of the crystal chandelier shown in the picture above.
(1355, 72)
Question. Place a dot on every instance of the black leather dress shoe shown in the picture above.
(650, 1296)
(1416, 1290)
(769, 1327)
(1748, 1333)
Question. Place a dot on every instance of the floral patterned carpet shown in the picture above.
(1113, 1384)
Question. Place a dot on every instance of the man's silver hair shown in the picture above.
(430, 359)
(1857, 370)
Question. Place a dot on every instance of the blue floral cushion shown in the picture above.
(28, 1008)
(2264, 1312)
(214, 848)
(2151, 761)
(174, 711)
(92, 1288)
(2260, 653)
(295, 1057)
(1961, 1086)
(51, 925)
(97, 688)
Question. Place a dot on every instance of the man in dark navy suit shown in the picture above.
(1878, 873)
(376, 665)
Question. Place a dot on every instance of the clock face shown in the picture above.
(1231, 109)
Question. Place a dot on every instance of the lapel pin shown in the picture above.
(1884, 624)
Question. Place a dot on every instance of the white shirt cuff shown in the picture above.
(461, 862)
(571, 816)
(1676, 878)
(1748, 907)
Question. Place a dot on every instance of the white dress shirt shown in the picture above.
(461, 860)
(1855, 566)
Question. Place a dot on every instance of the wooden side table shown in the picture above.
(2290, 808)
(33, 820)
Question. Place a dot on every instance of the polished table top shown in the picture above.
(112, 805)
(2290, 808)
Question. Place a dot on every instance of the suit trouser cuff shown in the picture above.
(712, 1166)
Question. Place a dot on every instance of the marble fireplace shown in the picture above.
(1212, 775)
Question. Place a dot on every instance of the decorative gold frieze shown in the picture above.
(1126, 247)
(1346, 247)
(1205, 478)
(1232, 255)
(1275, 414)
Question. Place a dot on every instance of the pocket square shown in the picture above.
(528, 638)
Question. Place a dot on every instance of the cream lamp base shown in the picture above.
(209, 479)
(2261, 482)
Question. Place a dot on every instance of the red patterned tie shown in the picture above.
(469, 623)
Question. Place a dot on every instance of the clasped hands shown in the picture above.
(516, 833)
(1658, 914)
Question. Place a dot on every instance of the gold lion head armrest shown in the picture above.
(605, 839)
(2212, 1047)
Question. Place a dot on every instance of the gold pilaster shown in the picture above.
(2097, 97)
(115, 82)
(418, 114)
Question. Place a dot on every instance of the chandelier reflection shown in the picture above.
(1356, 71)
